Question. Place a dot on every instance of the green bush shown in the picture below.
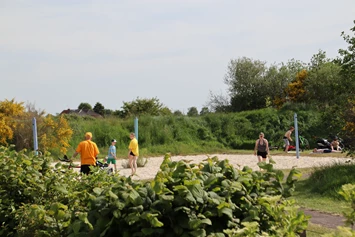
(207, 199)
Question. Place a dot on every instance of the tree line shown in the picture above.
(139, 107)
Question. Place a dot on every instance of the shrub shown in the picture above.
(207, 199)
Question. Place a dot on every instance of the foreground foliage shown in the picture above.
(207, 199)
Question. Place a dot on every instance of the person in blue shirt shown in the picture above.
(111, 157)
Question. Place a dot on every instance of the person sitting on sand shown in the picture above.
(335, 146)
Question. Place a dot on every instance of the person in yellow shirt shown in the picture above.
(88, 153)
(133, 153)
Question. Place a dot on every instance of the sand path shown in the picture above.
(237, 160)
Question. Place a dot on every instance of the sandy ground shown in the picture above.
(237, 160)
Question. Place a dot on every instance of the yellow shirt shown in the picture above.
(88, 151)
(133, 146)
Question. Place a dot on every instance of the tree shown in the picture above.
(165, 111)
(16, 127)
(144, 107)
(204, 111)
(276, 80)
(347, 64)
(54, 133)
(192, 111)
(347, 72)
(245, 78)
(10, 112)
(295, 90)
(108, 111)
(99, 108)
(85, 106)
(323, 84)
(219, 103)
(178, 113)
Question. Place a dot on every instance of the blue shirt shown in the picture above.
(111, 150)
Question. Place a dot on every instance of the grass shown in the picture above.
(314, 230)
(306, 196)
(307, 199)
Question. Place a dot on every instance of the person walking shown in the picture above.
(111, 157)
(287, 138)
(88, 153)
(261, 148)
(133, 153)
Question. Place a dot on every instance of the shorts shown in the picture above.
(131, 153)
(286, 141)
(85, 169)
(263, 154)
(111, 160)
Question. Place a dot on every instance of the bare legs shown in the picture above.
(261, 159)
(133, 163)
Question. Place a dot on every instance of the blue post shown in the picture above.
(136, 127)
(296, 137)
(35, 141)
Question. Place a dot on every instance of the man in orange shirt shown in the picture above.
(88, 152)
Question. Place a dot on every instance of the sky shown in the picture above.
(56, 54)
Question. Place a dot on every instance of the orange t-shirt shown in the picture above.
(88, 151)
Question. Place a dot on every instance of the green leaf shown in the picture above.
(97, 190)
(76, 227)
(112, 195)
(198, 233)
(61, 189)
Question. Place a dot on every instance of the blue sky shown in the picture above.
(56, 54)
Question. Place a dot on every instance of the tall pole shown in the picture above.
(35, 141)
(296, 137)
(136, 127)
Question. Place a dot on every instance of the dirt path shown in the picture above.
(324, 219)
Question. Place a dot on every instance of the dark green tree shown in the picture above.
(204, 111)
(346, 60)
(84, 106)
(99, 108)
(178, 113)
(245, 78)
(323, 84)
(192, 111)
(144, 107)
